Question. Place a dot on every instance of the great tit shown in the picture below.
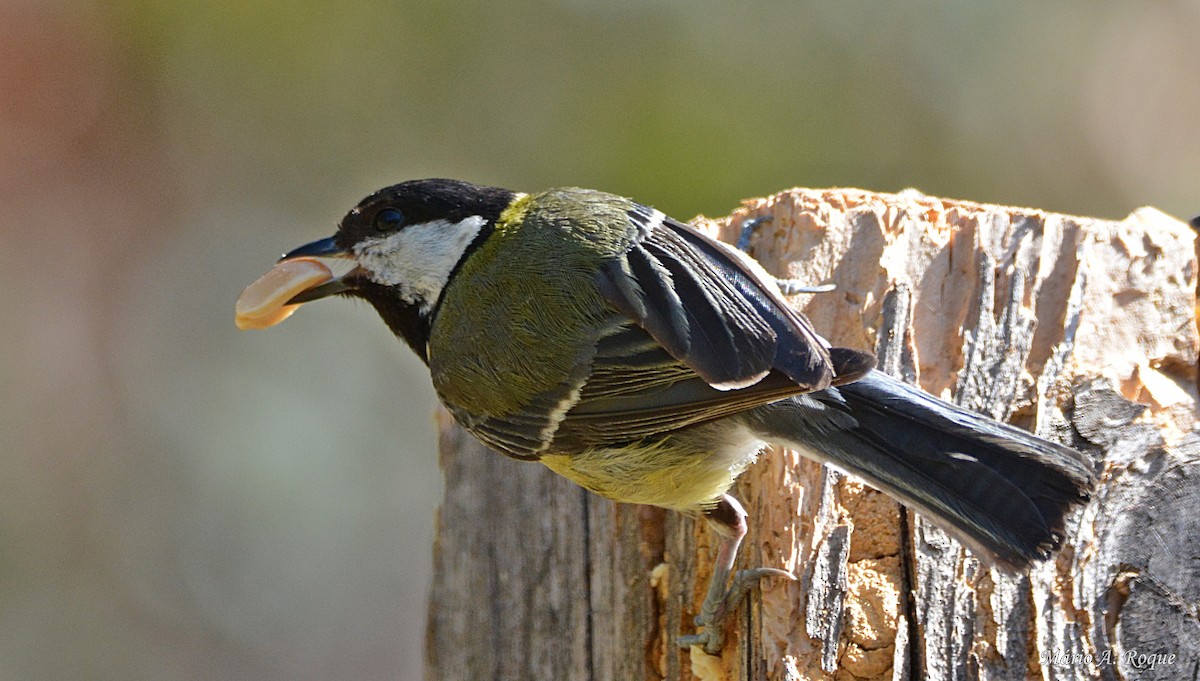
(650, 363)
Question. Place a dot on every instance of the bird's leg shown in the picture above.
(749, 227)
(790, 287)
(728, 520)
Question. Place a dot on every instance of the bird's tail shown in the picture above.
(1001, 491)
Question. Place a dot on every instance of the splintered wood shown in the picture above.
(1080, 329)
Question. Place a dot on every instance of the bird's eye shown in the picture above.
(388, 219)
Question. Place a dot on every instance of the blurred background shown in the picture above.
(179, 500)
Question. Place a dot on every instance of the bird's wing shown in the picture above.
(635, 389)
(703, 336)
(692, 333)
(706, 305)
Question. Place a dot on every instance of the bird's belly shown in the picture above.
(684, 471)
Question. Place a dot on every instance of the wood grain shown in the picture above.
(1081, 329)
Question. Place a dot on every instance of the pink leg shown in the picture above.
(728, 520)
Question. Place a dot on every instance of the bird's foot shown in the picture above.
(789, 287)
(715, 611)
(749, 227)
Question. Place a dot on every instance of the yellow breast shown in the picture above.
(685, 472)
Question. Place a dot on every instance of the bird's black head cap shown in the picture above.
(446, 206)
(420, 201)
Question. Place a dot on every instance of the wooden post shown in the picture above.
(1083, 330)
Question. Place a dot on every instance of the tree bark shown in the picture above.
(1083, 330)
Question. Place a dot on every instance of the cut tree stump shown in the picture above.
(1082, 330)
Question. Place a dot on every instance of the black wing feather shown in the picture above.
(709, 310)
(799, 351)
(700, 337)
(636, 389)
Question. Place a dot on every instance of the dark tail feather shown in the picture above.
(1001, 491)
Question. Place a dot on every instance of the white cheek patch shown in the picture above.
(418, 259)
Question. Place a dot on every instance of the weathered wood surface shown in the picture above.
(1083, 330)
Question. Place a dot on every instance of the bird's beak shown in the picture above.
(307, 273)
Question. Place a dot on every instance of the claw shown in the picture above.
(743, 580)
(789, 287)
(729, 520)
(713, 615)
(750, 227)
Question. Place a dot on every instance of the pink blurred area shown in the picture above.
(130, 547)
(179, 500)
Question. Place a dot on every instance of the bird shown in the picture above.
(650, 363)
